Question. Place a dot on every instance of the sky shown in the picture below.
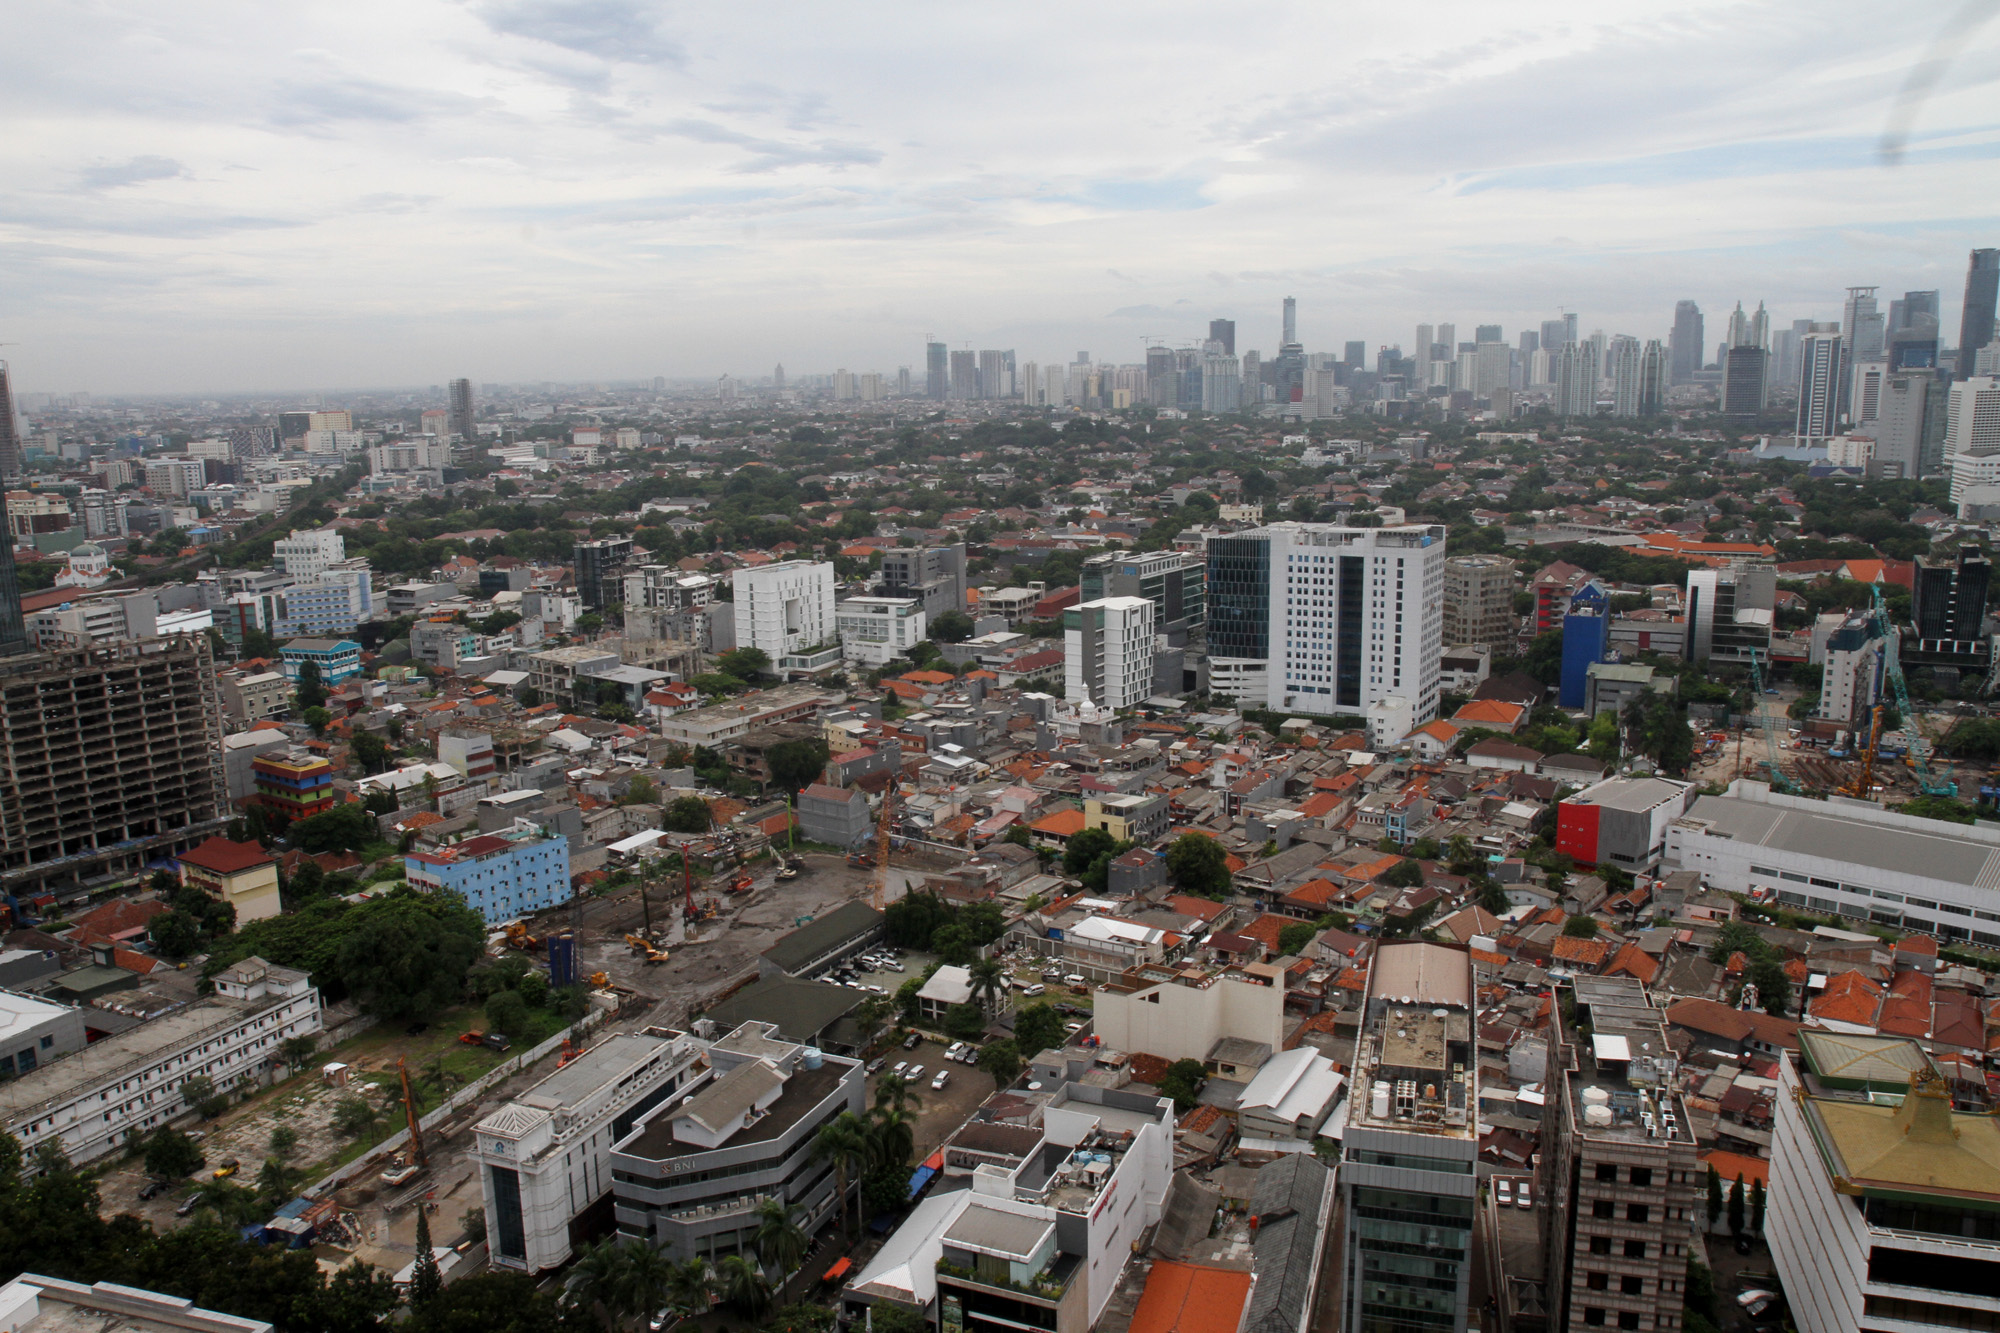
(213, 196)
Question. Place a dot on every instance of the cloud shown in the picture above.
(612, 30)
(776, 154)
(134, 171)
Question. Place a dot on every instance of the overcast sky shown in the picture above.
(237, 196)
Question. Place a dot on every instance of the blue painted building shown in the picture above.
(337, 659)
(501, 875)
(1586, 635)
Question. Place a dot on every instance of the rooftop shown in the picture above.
(804, 1090)
(1881, 840)
(1636, 795)
(1920, 1144)
(1623, 1082)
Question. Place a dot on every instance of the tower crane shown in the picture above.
(1779, 778)
(1919, 752)
(880, 880)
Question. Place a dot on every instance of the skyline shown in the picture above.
(583, 191)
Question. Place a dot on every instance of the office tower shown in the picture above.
(964, 377)
(1739, 328)
(1175, 582)
(1408, 1177)
(1530, 343)
(1576, 381)
(110, 758)
(1653, 368)
(462, 424)
(1291, 321)
(1975, 320)
(778, 377)
(1914, 346)
(1822, 366)
(1223, 331)
(902, 381)
(994, 379)
(1253, 377)
(1447, 336)
(1055, 385)
(1865, 390)
(1221, 383)
(1620, 1181)
(1851, 681)
(1555, 334)
(1569, 327)
(1913, 307)
(1163, 385)
(934, 575)
(1760, 328)
(1624, 363)
(1491, 364)
(1239, 615)
(1426, 347)
(843, 385)
(1743, 381)
(1899, 426)
(1357, 355)
(786, 607)
(872, 388)
(1487, 333)
(600, 571)
(1863, 336)
(1108, 649)
(1730, 612)
(937, 380)
(1478, 601)
(1972, 434)
(1949, 601)
(13, 460)
(1685, 342)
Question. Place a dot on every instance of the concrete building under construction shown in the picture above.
(110, 757)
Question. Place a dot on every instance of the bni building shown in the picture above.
(1409, 1176)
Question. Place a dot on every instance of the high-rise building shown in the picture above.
(1975, 320)
(13, 460)
(937, 379)
(1949, 601)
(1408, 1177)
(995, 375)
(1627, 361)
(1223, 331)
(1356, 356)
(1350, 616)
(600, 571)
(1743, 380)
(1857, 655)
(1619, 1171)
(1865, 390)
(934, 575)
(1531, 342)
(1654, 364)
(1730, 612)
(1492, 362)
(1487, 333)
(1555, 334)
(902, 381)
(1685, 342)
(1576, 380)
(1972, 434)
(307, 555)
(778, 377)
(1864, 334)
(1291, 320)
(1478, 604)
(462, 419)
(13, 629)
(1175, 582)
(964, 385)
(1425, 346)
(1221, 383)
(110, 758)
(1822, 372)
(1880, 1202)
(1108, 649)
(1899, 425)
(785, 607)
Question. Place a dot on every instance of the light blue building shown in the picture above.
(501, 875)
(337, 659)
(326, 608)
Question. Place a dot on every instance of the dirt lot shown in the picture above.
(943, 1111)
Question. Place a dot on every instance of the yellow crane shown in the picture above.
(880, 880)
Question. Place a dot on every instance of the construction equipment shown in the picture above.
(571, 1048)
(599, 980)
(410, 1113)
(741, 884)
(519, 938)
(879, 882)
(1864, 785)
(1919, 752)
(1779, 778)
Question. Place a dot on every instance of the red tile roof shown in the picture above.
(225, 857)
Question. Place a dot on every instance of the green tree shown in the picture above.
(1938, 807)
(742, 1285)
(1406, 874)
(1757, 1206)
(347, 827)
(284, 1141)
(951, 627)
(409, 959)
(894, 1092)
(355, 1118)
(171, 1154)
(1038, 1028)
(1581, 927)
(277, 1182)
(843, 1141)
(175, 934)
(1002, 1059)
(1293, 939)
(744, 663)
(298, 1052)
(494, 1301)
(507, 1012)
(370, 751)
(1197, 864)
(781, 1242)
(1084, 847)
(309, 692)
(689, 1287)
(688, 814)
(200, 1095)
(966, 1022)
(797, 763)
(989, 984)
(1736, 1206)
(318, 719)
(1714, 1195)
(1182, 1082)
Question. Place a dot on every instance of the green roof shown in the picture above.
(849, 921)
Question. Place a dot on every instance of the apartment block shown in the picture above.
(1620, 1183)
(249, 697)
(1108, 648)
(878, 630)
(934, 575)
(1730, 613)
(1478, 600)
(600, 571)
(293, 783)
(785, 607)
(109, 758)
(1175, 582)
(500, 875)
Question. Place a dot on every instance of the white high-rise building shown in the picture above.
(1821, 363)
(1865, 394)
(1576, 380)
(875, 631)
(306, 555)
(1108, 651)
(1972, 434)
(1898, 427)
(1626, 364)
(785, 607)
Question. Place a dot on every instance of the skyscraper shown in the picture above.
(1555, 332)
(12, 461)
(1357, 355)
(1291, 321)
(462, 411)
(937, 379)
(1108, 652)
(1223, 331)
(993, 376)
(1899, 425)
(1863, 332)
(1576, 380)
(1423, 354)
(1221, 382)
(1685, 342)
(600, 571)
(1822, 371)
(1743, 380)
(778, 377)
(1975, 321)
(1478, 605)
(1487, 333)
(964, 385)
(1972, 434)
(1626, 363)
(1653, 364)
(1912, 307)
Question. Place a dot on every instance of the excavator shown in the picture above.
(645, 949)
(519, 938)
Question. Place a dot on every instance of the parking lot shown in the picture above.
(943, 1110)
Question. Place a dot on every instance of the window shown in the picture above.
(1607, 1171)
(1632, 1286)
(1597, 1281)
(1603, 1208)
(1642, 1176)
(1628, 1319)
(1593, 1316)
(1600, 1244)
(1635, 1249)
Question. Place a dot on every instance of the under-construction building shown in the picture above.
(110, 757)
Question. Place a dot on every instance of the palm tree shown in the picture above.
(989, 984)
(844, 1142)
(781, 1241)
(897, 1093)
(892, 1138)
(594, 1281)
(743, 1286)
(689, 1287)
(645, 1279)
(277, 1181)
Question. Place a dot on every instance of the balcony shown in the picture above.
(1048, 1285)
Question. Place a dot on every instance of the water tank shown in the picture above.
(1596, 1097)
(1104, 1157)
(1378, 1101)
(814, 1057)
(1597, 1117)
(1081, 1158)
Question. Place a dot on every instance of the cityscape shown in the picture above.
(899, 734)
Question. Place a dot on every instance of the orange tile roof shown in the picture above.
(1848, 998)
(1575, 949)
(1730, 1165)
(1322, 803)
(1632, 961)
(1316, 893)
(1061, 824)
(1191, 1298)
(929, 677)
(1265, 929)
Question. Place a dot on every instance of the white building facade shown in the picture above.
(306, 555)
(785, 607)
(1357, 616)
(877, 630)
(1108, 649)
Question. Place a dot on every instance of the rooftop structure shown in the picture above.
(32, 1303)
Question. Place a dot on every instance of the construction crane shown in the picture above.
(1864, 786)
(1779, 778)
(1919, 752)
(879, 882)
(410, 1113)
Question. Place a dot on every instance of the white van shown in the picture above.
(1037, 989)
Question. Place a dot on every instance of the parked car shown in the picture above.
(1503, 1191)
(914, 1040)
(942, 1077)
(1037, 989)
(875, 1065)
(902, 1069)
(152, 1189)
(189, 1204)
(228, 1167)
(496, 1041)
(1756, 1301)
(1072, 1027)
(1524, 1196)
(955, 1050)
(915, 1072)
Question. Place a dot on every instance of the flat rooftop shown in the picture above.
(1422, 974)
(998, 1231)
(804, 1090)
(606, 1062)
(142, 1045)
(1857, 1062)
(1624, 1067)
(1636, 795)
(1899, 845)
